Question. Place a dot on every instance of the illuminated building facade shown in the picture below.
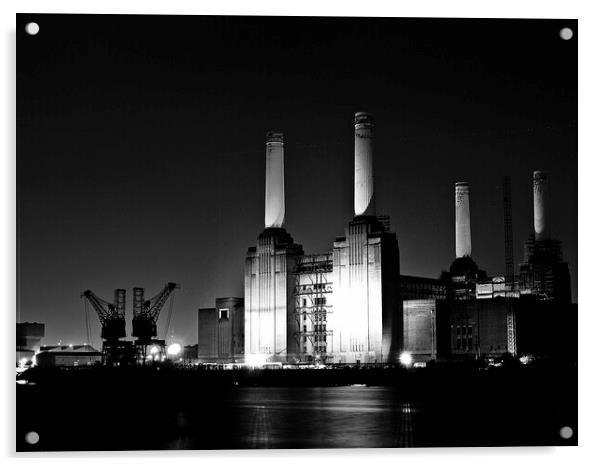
(342, 306)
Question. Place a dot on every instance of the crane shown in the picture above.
(112, 321)
(144, 323)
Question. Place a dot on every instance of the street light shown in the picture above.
(406, 359)
(174, 349)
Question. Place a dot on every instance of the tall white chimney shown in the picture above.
(364, 180)
(274, 180)
(463, 238)
(541, 220)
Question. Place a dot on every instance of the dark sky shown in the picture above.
(141, 146)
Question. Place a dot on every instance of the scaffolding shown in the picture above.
(312, 289)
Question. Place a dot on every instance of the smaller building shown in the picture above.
(222, 331)
(190, 354)
(68, 356)
(29, 336)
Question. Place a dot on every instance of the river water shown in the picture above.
(320, 417)
(149, 411)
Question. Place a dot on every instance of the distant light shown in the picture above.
(526, 359)
(23, 362)
(566, 33)
(154, 350)
(174, 349)
(406, 359)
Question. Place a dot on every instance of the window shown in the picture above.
(304, 302)
(223, 314)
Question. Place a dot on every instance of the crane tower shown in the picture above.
(144, 323)
(112, 320)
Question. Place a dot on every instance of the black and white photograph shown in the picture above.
(295, 232)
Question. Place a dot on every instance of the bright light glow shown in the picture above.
(23, 361)
(406, 359)
(256, 360)
(526, 359)
(174, 349)
(154, 350)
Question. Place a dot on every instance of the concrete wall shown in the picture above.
(230, 329)
(479, 327)
(207, 331)
(420, 328)
(365, 294)
(221, 331)
(269, 288)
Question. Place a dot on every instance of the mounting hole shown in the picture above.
(566, 432)
(32, 437)
(566, 33)
(32, 28)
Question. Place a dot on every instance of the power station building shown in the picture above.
(351, 305)
(341, 306)
(485, 316)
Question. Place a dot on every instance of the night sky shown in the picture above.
(141, 146)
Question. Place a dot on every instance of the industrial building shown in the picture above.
(341, 306)
(221, 331)
(350, 304)
(490, 316)
(29, 336)
(68, 356)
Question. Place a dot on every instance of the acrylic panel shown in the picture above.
(295, 232)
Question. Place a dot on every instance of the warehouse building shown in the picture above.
(68, 356)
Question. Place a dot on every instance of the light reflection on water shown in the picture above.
(323, 417)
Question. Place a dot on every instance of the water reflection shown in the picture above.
(319, 418)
